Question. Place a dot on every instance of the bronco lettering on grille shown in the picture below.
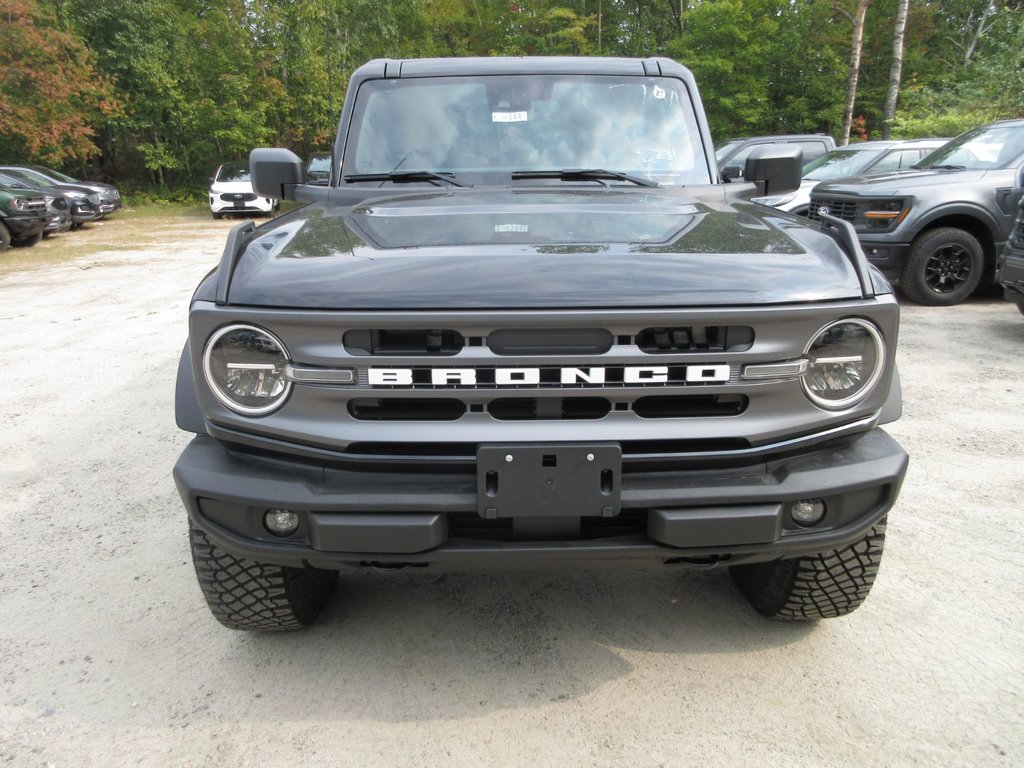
(604, 376)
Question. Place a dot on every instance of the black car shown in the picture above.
(543, 333)
(105, 197)
(83, 203)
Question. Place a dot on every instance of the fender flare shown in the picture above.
(187, 413)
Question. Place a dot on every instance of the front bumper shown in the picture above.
(1011, 276)
(259, 205)
(59, 221)
(22, 227)
(358, 517)
(887, 255)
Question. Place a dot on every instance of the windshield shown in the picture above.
(29, 177)
(840, 163)
(983, 149)
(486, 128)
(320, 163)
(233, 172)
(12, 183)
(724, 150)
(58, 176)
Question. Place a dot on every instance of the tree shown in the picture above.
(51, 96)
(896, 68)
(853, 72)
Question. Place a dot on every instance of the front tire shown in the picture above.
(247, 595)
(943, 268)
(814, 587)
(28, 242)
(5, 237)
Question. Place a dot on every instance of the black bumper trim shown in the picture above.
(352, 516)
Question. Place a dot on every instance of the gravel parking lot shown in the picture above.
(110, 656)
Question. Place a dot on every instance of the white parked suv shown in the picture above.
(861, 159)
(231, 192)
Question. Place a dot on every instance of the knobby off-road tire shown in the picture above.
(815, 587)
(943, 268)
(245, 594)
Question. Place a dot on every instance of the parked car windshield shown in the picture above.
(723, 150)
(12, 183)
(233, 172)
(479, 127)
(62, 177)
(983, 149)
(840, 163)
(29, 177)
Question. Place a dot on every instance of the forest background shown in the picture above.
(155, 93)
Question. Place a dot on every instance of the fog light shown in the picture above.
(807, 512)
(281, 522)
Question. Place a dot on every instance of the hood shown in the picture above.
(469, 248)
(897, 182)
(231, 187)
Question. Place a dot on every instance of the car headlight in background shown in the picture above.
(245, 369)
(884, 214)
(18, 204)
(845, 361)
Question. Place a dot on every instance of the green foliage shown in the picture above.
(158, 92)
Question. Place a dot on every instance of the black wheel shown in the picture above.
(217, 214)
(1020, 307)
(245, 594)
(814, 587)
(28, 242)
(943, 268)
(5, 237)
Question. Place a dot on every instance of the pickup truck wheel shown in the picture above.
(943, 268)
(245, 594)
(814, 587)
(5, 237)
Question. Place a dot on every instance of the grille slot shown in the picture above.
(406, 409)
(231, 197)
(569, 341)
(406, 341)
(529, 408)
(667, 407)
(695, 338)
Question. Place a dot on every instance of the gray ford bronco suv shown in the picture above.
(527, 325)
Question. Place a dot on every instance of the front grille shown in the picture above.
(34, 203)
(842, 209)
(231, 197)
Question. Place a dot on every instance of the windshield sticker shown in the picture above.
(659, 92)
(509, 117)
(503, 228)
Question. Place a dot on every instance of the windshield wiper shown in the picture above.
(399, 176)
(942, 168)
(584, 174)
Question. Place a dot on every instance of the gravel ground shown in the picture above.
(110, 656)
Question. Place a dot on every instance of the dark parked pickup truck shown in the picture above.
(526, 324)
(939, 227)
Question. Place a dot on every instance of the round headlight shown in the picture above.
(845, 361)
(245, 368)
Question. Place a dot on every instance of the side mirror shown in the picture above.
(275, 172)
(731, 173)
(775, 168)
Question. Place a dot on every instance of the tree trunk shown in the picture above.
(853, 74)
(896, 68)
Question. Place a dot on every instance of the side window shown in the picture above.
(740, 158)
(812, 149)
(897, 160)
